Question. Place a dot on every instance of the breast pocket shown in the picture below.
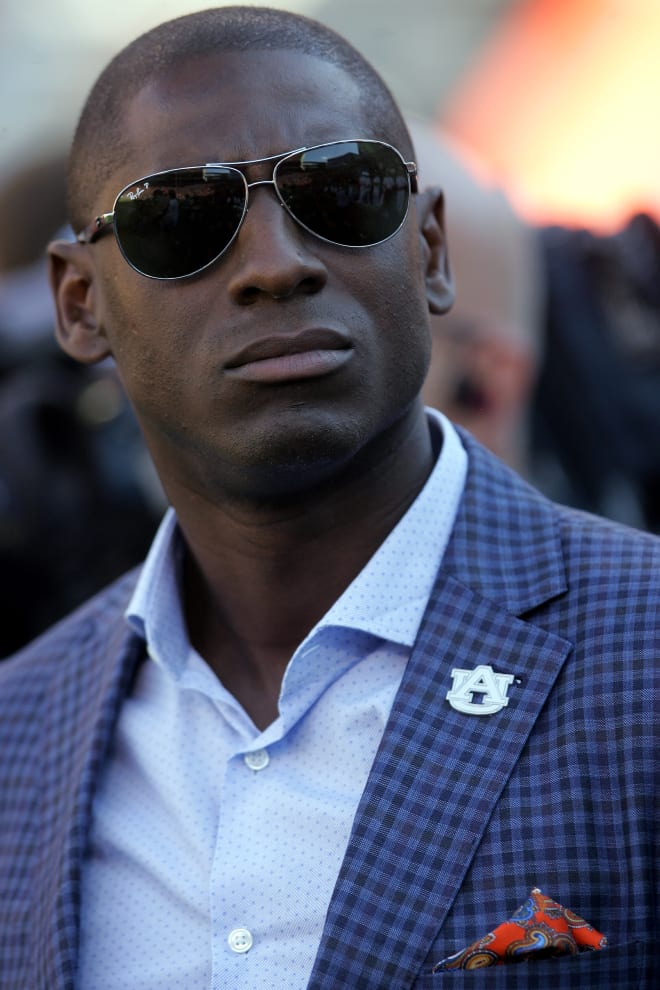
(632, 966)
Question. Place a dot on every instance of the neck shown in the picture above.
(257, 578)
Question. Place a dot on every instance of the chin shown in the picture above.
(285, 468)
(295, 473)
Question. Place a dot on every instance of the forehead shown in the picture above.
(237, 106)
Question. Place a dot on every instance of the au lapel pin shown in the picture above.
(484, 682)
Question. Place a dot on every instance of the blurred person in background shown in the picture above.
(32, 210)
(551, 354)
(596, 407)
(488, 349)
(79, 501)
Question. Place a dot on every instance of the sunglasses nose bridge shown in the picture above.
(261, 182)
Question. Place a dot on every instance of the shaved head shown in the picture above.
(100, 144)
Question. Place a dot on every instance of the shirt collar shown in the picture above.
(387, 598)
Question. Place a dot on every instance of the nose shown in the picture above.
(271, 255)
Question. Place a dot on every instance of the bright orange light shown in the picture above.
(563, 108)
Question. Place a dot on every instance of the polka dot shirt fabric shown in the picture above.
(215, 847)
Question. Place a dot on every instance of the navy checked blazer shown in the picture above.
(461, 815)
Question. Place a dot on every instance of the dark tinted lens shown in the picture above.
(175, 223)
(354, 193)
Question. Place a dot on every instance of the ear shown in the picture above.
(71, 276)
(439, 280)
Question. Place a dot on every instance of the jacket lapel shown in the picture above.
(78, 721)
(439, 772)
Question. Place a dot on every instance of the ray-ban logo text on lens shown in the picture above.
(138, 192)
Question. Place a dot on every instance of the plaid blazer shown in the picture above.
(461, 815)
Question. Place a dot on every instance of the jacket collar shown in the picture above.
(505, 543)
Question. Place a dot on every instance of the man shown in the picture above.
(369, 689)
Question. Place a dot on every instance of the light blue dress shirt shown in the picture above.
(215, 846)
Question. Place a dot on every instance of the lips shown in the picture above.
(309, 354)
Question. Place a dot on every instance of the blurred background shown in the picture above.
(538, 118)
(557, 97)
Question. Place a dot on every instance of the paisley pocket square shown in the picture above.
(538, 929)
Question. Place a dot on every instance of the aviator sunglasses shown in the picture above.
(175, 224)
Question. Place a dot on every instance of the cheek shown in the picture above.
(146, 331)
(400, 307)
(411, 358)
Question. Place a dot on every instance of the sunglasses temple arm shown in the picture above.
(411, 169)
(96, 228)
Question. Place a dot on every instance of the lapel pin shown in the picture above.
(483, 683)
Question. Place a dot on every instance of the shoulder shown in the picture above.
(611, 550)
(507, 528)
(494, 489)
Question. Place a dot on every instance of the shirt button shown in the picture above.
(257, 760)
(240, 940)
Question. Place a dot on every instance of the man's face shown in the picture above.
(215, 421)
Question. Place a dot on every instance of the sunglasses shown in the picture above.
(175, 224)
